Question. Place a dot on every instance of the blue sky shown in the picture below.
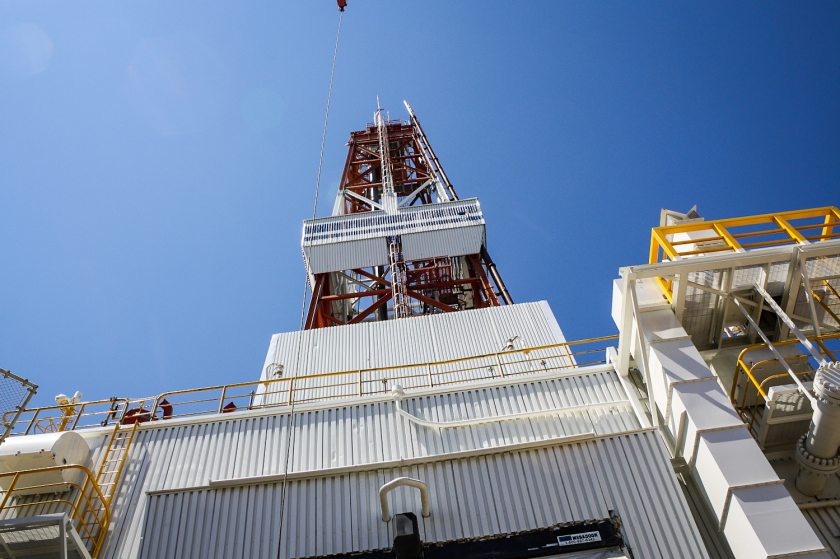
(157, 158)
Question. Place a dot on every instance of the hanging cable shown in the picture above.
(326, 123)
(292, 420)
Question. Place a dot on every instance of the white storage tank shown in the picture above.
(42, 451)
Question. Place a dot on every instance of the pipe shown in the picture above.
(827, 503)
(494, 273)
(403, 482)
(816, 450)
(426, 146)
(398, 393)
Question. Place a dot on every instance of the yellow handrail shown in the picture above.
(350, 383)
(774, 229)
(754, 387)
(89, 510)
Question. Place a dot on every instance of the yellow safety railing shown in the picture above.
(320, 387)
(824, 300)
(672, 242)
(51, 419)
(81, 499)
(754, 376)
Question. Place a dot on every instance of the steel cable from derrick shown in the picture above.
(291, 423)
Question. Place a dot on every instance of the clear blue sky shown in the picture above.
(157, 158)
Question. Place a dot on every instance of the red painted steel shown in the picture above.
(442, 284)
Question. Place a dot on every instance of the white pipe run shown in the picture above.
(403, 482)
(399, 393)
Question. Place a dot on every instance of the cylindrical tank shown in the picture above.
(42, 451)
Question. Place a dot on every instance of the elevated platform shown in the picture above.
(46, 536)
(701, 265)
(346, 242)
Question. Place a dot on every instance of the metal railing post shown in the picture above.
(222, 399)
(78, 411)
(501, 367)
(32, 422)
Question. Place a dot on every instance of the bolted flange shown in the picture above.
(827, 383)
(814, 471)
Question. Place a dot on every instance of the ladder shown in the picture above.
(92, 512)
(113, 460)
(399, 277)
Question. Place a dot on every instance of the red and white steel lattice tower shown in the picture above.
(399, 242)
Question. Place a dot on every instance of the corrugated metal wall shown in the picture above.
(165, 458)
(419, 339)
(826, 522)
(470, 497)
(354, 241)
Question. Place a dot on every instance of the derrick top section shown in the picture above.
(399, 242)
(390, 156)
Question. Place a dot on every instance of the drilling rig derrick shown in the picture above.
(399, 242)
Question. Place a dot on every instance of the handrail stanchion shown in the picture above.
(222, 399)
(78, 411)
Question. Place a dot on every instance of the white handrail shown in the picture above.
(403, 482)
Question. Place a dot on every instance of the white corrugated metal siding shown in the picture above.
(419, 339)
(359, 240)
(189, 455)
(346, 255)
(470, 498)
(447, 242)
